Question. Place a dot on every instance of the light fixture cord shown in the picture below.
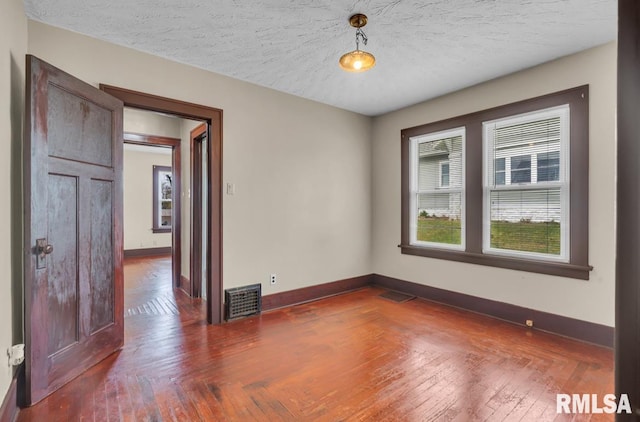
(360, 34)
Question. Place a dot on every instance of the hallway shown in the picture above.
(147, 287)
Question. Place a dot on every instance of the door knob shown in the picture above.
(42, 250)
(43, 247)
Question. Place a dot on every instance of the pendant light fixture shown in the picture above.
(358, 60)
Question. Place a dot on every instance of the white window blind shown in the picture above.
(437, 189)
(526, 185)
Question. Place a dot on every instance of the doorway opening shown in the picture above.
(152, 194)
(210, 287)
(157, 191)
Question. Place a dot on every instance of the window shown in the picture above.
(162, 199)
(500, 171)
(520, 169)
(444, 174)
(524, 216)
(518, 200)
(437, 189)
(549, 166)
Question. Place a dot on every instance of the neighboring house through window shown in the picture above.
(527, 215)
(530, 211)
(437, 189)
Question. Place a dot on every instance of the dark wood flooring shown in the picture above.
(350, 357)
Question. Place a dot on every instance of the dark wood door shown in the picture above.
(73, 228)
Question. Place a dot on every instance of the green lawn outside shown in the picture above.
(519, 236)
(528, 237)
(439, 230)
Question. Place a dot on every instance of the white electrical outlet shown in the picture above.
(273, 279)
(16, 354)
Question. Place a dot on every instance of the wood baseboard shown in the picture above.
(136, 253)
(569, 327)
(589, 332)
(185, 285)
(9, 409)
(311, 293)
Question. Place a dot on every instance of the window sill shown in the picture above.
(535, 266)
(163, 230)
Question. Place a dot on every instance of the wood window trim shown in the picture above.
(156, 200)
(578, 266)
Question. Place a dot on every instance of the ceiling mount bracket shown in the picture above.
(358, 20)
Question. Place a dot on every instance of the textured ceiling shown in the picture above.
(423, 48)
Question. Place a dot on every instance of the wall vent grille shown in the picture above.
(243, 301)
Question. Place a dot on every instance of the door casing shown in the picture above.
(196, 136)
(213, 118)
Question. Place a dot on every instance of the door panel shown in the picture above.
(73, 202)
(101, 256)
(78, 129)
(62, 267)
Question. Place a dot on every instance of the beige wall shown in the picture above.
(301, 169)
(13, 46)
(138, 196)
(591, 300)
(149, 123)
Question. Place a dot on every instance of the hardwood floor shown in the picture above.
(350, 357)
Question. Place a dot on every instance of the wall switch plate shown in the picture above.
(231, 189)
